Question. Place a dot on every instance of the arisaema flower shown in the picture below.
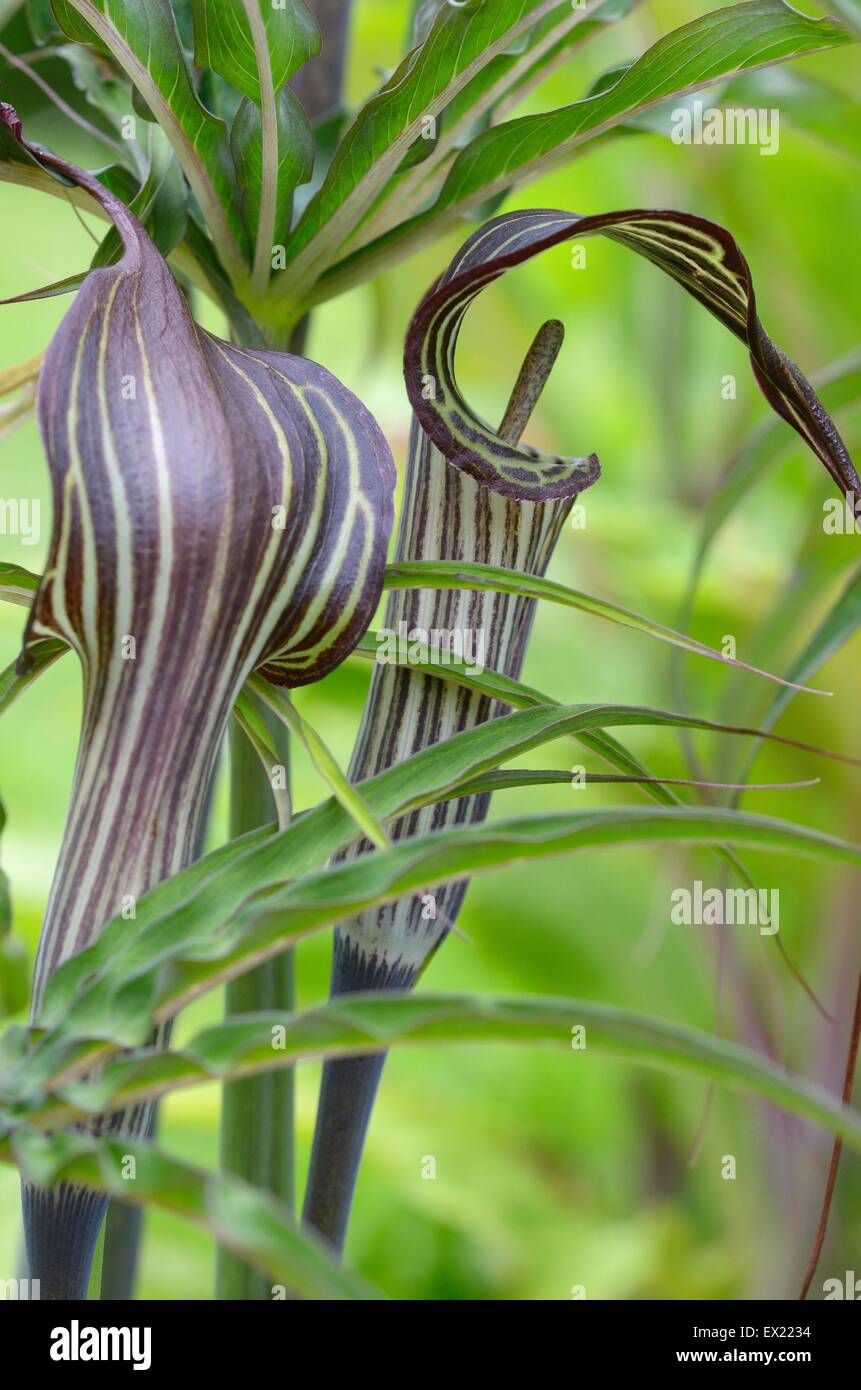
(476, 495)
(218, 510)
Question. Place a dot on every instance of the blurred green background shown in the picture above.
(560, 1170)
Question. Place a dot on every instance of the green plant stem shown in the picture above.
(269, 142)
(122, 1238)
(257, 1131)
(257, 1116)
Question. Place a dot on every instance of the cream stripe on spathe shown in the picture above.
(445, 515)
(700, 255)
(171, 454)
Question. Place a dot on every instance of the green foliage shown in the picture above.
(223, 42)
(219, 147)
(358, 1024)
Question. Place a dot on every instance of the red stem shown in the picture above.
(848, 1083)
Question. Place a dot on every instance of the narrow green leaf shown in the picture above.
(40, 656)
(541, 777)
(293, 164)
(840, 623)
(520, 696)
(839, 387)
(255, 729)
(356, 1024)
(65, 286)
(484, 681)
(144, 42)
(160, 203)
(14, 965)
(461, 42)
(40, 20)
(452, 574)
(730, 40)
(511, 74)
(117, 1008)
(109, 987)
(555, 56)
(797, 96)
(18, 585)
(412, 867)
